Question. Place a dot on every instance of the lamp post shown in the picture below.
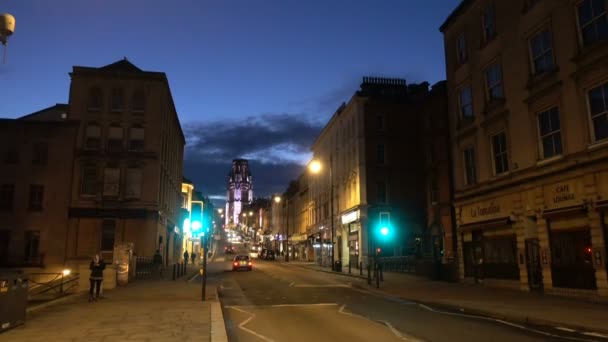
(315, 167)
(277, 199)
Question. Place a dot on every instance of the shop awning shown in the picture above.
(488, 224)
(571, 210)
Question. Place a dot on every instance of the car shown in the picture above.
(229, 249)
(253, 253)
(242, 262)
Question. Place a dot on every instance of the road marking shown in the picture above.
(329, 285)
(565, 329)
(242, 326)
(292, 284)
(220, 259)
(387, 324)
(239, 307)
(501, 322)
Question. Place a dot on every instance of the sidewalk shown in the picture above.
(145, 310)
(511, 305)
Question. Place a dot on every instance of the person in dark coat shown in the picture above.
(97, 266)
(157, 261)
(186, 257)
(193, 257)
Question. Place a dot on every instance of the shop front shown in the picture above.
(349, 239)
(489, 242)
(298, 247)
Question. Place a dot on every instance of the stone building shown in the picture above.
(528, 105)
(127, 173)
(36, 158)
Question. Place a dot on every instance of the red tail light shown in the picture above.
(250, 263)
(236, 264)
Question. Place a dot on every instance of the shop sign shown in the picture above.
(487, 210)
(350, 217)
(563, 194)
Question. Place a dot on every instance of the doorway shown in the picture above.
(535, 274)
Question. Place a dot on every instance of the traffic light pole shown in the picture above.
(204, 282)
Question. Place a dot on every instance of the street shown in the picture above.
(283, 302)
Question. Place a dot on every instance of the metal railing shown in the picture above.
(46, 286)
(403, 264)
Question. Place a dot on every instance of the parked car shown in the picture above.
(242, 262)
(253, 253)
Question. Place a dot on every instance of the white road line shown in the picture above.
(330, 285)
(242, 327)
(399, 334)
(502, 322)
(292, 284)
(565, 329)
(301, 305)
(594, 334)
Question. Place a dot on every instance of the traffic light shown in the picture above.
(378, 250)
(384, 231)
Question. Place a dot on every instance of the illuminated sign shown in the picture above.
(350, 217)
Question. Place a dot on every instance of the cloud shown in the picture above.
(276, 145)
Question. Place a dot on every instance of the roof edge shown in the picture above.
(463, 6)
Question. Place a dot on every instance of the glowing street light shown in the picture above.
(220, 210)
(277, 199)
(251, 213)
(315, 166)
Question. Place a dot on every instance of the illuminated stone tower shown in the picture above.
(240, 190)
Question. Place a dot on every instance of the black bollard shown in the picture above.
(349, 267)
(361, 268)
(174, 269)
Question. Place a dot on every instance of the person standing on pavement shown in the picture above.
(97, 266)
(193, 257)
(157, 261)
(186, 257)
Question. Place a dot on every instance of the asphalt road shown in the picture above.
(283, 302)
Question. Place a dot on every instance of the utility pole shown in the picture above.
(204, 270)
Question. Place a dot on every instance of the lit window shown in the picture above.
(598, 108)
(470, 171)
(499, 151)
(592, 21)
(494, 82)
(549, 132)
(541, 51)
(465, 102)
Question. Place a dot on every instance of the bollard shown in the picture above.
(184, 267)
(349, 267)
(381, 272)
(174, 269)
(369, 274)
(361, 268)
(377, 276)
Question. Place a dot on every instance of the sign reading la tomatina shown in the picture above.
(563, 193)
(489, 209)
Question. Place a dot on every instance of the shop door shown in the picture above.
(478, 259)
(535, 274)
(571, 260)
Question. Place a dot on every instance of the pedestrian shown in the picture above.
(186, 257)
(157, 261)
(97, 266)
(193, 257)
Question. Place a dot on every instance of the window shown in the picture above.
(111, 181)
(470, 171)
(115, 138)
(592, 21)
(381, 186)
(11, 156)
(7, 196)
(108, 230)
(380, 121)
(465, 102)
(488, 24)
(32, 243)
(549, 132)
(117, 100)
(494, 82)
(95, 99)
(36, 197)
(134, 181)
(139, 101)
(461, 49)
(598, 108)
(136, 139)
(93, 137)
(499, 151)
(500, 258)
(541, 52)
(40, 156)
(380, 153)
(88, 185)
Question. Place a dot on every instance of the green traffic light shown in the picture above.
(384, 231)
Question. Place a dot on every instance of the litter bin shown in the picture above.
(338, 266)
(13, 300)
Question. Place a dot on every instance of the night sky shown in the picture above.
(250, 79)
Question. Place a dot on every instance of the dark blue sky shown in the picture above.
(277, 67)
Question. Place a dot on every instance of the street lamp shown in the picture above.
(277, 200)
(220, 210)
(315, 167)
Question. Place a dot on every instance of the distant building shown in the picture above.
(528, 106)
(36, 158)
(240, 190)
(127, 176)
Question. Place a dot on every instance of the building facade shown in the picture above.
(240, 191)
(127, 175)
(528, 102)
(366, 176)
(35, 179)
